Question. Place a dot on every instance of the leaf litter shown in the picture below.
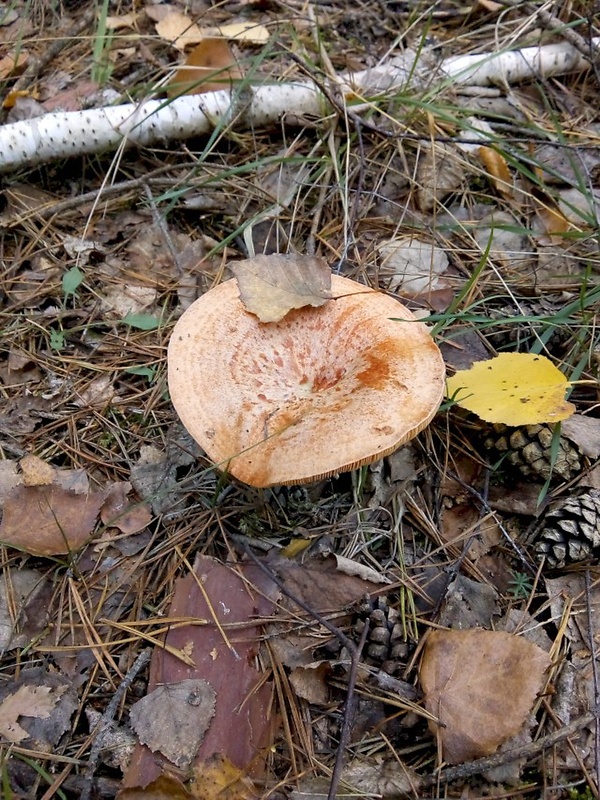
(107, 502)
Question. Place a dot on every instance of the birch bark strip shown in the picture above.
(59, 135)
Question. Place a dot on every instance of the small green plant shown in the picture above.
(71, 281)
(578, 794)
(520, 586)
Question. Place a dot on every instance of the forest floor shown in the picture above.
(424, 626)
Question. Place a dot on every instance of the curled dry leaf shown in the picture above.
(27, 701)
(498, 170)
(247, 32)
(440, 171)
(480, 687)
(210, 66)
(412, 266)
(36, 472)
(271, 286)
(47, 520)
(179, 30)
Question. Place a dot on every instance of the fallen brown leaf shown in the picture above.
(36, 472)
(271, 286)
(165, 787)
(480, 686)
(179, 30)
(47, 520)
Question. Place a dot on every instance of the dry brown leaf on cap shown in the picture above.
(480, 687)
(27, 701)
(174, 718)
(271, 286)
(209, 67)
(47, 520)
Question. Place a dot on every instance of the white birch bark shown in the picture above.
(58, 135)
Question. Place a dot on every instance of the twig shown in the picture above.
(593, 653)
(523, 752)
(107, 718)
(552, 23)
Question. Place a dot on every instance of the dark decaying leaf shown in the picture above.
(241, 728)
(120, 512)
(174, 718)
(24, 599)
(271, 286)
(321, 584)
(480, 686)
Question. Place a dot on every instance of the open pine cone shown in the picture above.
(570, 531)
(529, 449)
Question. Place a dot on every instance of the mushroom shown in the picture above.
(322, 391)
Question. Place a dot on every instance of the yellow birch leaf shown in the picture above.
(513, 388)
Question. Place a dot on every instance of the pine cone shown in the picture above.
(570, 531)
(529, 449)
(386, 646)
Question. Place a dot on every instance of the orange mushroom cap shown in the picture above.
(324, 390)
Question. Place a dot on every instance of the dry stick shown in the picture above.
(107, 718)
(497, 760)
(354, 651)
(553, 23)
(76, 133)
(52, 209)
(592, 646)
